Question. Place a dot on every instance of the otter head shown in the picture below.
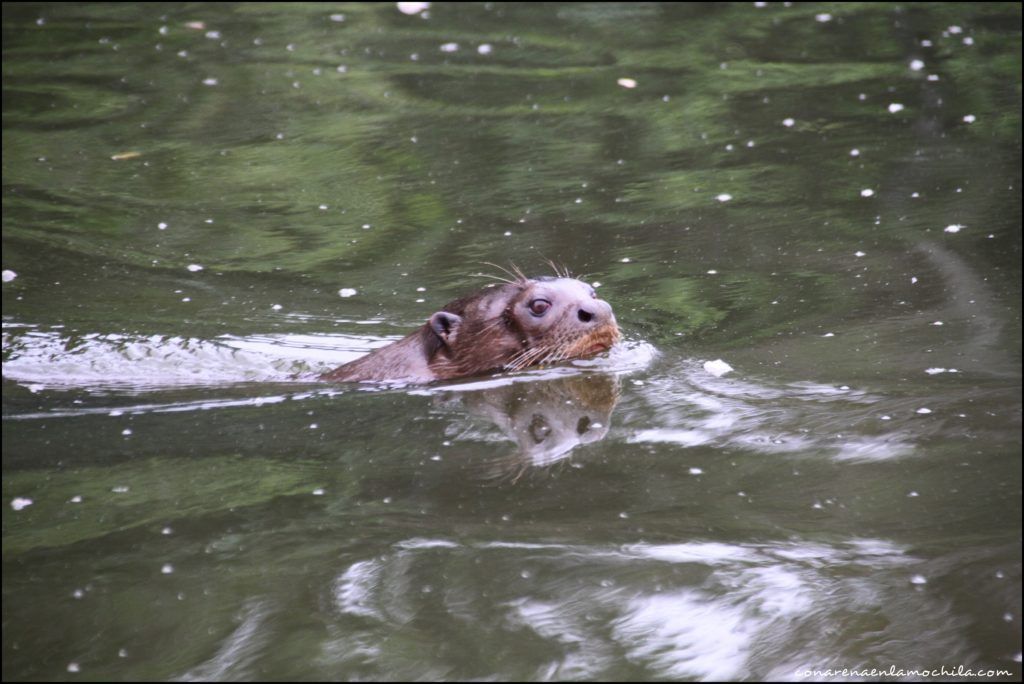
(520, 324)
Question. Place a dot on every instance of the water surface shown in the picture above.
(206, 205)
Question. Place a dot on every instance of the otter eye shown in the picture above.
(539, 307)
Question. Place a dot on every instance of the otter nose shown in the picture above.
(594, 311)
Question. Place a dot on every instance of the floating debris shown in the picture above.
(718, 367)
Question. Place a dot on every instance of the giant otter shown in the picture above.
(519, 323)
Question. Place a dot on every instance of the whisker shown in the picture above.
(494, 277)
(517, 274)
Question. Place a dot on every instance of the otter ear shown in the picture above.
(445, 325)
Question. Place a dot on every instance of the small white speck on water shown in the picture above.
(918, 579)
(823, 17)
(854, 152)
(449, 47)
(916, 64)
(712, 272)
(120, 489)
(126, 432)
(895, 107)
(886, 418)
(210, 81)
(913, 280)
(923, 411)
(788, 122)
(724, 197)
(77, 498)
(627, 82)
(347, 292)
(938, 323)
(323, 207)
(912, 494)
(859, 254)
(20, 502)
(413, 8)
(624, 515)
(162, 225)
(8, 275)
(625, 260)
(167, 569)
(167, 531)
(867, 192)
(485, 49)
(74, 667)
(276, 307)
(318, 491)
(313, 426)
(954, 228)
(970, 118)
(696, 471)
(195, 268)
(829, 334)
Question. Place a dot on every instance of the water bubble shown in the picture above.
(970, 118)
(195, 268)
(867, 192)
(167, 569)
(20, 502)
(788, 122)
(485, 49)
(916, 64)
(895, 107)
(347, 292)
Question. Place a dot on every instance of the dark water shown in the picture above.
(826, 198)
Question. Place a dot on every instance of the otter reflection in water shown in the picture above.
(545, 419)
(511, 326)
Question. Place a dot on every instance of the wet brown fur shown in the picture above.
(494, 334)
